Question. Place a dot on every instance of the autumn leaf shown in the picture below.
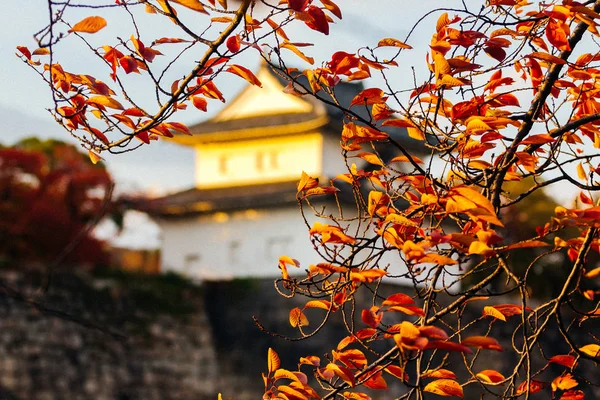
(490, 377)
(390, 42)
(482, 342)
(445, 387)
(332, 7)
(104, 101)
(592, 350)
(439, 374)
(297, 318)
(94, 157)
(244, 73)
(89, 25)
(273, 360)
(369, 97)
(342, 372)
(195, 5)
(564, 382)
(534, 386)
(565, 360)
(233, 44)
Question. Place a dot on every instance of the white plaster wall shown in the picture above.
(244, 244)
(238, 244)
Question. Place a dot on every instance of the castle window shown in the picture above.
(274, 160)
(260, 161)
(223, 164)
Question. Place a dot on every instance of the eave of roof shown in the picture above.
(205, 201)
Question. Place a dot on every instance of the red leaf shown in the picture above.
(233, 44)
(200, 103)
(298, 5)
(319, 21)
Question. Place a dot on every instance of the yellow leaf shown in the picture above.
(581, 172)
(415, 133)
(449, 81)
(592, 350)
(89, 25)
(294, 49)
(593, 273)
(481, 248)
(564, 382)
(492, 312)
(390, 42)
(273, 360)
(95, 158)
(475, 196)
(105, 101)
(371, 158)
(445, 387)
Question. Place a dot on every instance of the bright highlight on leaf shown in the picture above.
(89, 25)
(445, 387)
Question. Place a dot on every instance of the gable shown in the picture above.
(255, 101)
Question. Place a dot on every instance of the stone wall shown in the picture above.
(43, 356)
(163, 338)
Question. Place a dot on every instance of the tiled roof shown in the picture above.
(203, 201)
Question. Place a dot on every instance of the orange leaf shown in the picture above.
(369, 97)
(390, 42)
(290, 393)
(333, 8)
(533, 387)
(294, 49)
(273, 360)
(482, 342)
(42, 51)
(192, 5)
(200, 103)
(342, 372)
(439, 374)
(297, 318)
(244, 73)
(547, 57)
(307, 182)
(105, 101)
(564, 382)
(490, 376)
(445, 387)
(89, 25)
